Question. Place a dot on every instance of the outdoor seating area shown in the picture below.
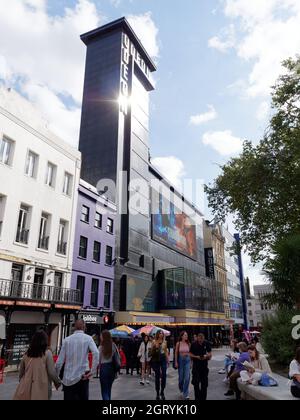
(259, 393)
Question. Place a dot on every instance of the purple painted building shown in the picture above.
(94, 253)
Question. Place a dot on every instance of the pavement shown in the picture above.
(128, 387)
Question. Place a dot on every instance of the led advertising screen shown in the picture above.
(175, 231)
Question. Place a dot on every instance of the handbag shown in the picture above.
(296, 384)
(267, 381)
(116, 361)
(23, 391)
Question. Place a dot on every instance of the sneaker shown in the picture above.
(142, 383)
(229, 394)
(222, 372)
(226, 381)
(147, 382)
(187, 398)
(162, 395)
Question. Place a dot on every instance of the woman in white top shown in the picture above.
(144, 355)
(260, 365)
(295, 375)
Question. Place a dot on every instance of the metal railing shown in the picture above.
(22, 236)
(39, 292)
(44, 243)
(62, 248)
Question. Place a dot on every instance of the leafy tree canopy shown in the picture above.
(261, 187)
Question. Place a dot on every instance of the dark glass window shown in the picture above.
(85, 214)
(94, 293)
(83, 247)
(109, 254)
(107, 294)
(98, 220)
(81, 286)
(97, 252)
(110, 226)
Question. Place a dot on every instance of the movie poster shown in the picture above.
(175, 231)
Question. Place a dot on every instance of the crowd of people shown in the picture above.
(151, 355)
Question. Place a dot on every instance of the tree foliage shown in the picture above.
(261, 187)
(283, 271)
(277, 337)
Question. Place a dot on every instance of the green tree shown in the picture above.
(261, 187)
(283, 271)
(277, 337)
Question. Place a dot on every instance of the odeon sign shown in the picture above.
(129, 50)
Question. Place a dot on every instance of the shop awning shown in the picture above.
(143, 318)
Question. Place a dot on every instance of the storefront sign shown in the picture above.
(90, 319)
(7, 302)
(22, 340)
(33, 304)
(235, 307)
(209, 263)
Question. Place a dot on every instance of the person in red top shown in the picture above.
(123, 358)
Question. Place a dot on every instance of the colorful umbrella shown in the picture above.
(156, 329)
(151, 330)
(144, 330)
(125, 328)
(118, 334)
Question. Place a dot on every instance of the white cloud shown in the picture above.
(263, 111)
(45, 55)
(224, 142)
(268, 33)
(224, 42)
(210, 115)
(172, 168)
(64, 122)
(147, 31)
(254, 272)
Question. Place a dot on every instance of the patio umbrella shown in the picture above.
(118, 334)
(156, 329)
(151, 330)
(144, 330)
(125, 328)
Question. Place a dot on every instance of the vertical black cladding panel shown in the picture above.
(100, 109)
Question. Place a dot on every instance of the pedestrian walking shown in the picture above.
(73, 360)
(37, 371)
(129, 349)
(201, 354)
(110, 364)
(183, 364)
(160, 362)
(295, 375)
(144, 356)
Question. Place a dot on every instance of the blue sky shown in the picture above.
(216, 62)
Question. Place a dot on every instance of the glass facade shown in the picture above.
(183, 289)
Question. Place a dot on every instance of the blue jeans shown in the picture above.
(107, 377)
(228, 362)
(160, 369)
(184, 370)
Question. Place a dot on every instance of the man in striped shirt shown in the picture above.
(73, 358)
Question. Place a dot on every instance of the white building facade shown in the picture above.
(39, 178)
(262, 309)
